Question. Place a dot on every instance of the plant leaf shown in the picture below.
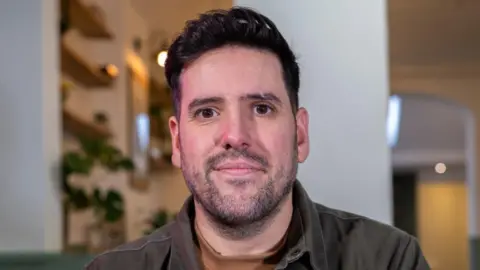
(126, 164)
(114, 207)
(79, 199)
(77, 163)
(97, 199)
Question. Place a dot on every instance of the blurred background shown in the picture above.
(392, 88)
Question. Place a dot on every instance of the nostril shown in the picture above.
(228, 146)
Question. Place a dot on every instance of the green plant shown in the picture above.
(100, 118)
(94, 152)
(159, 219)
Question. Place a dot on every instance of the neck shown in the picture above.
(258, 238)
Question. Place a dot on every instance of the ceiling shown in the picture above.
(431, 131)
(170, 16)
(422, 33)
(429, 124)
(441, 34)
(433, 32)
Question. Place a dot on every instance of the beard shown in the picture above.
(240, 217)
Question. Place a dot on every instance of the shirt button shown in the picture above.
(295, 253)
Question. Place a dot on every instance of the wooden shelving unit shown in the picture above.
(81, 70)
(163, 162)
(80, 127)
(75, 14)
(83, 18)
(160, 95)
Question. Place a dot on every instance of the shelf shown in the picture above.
(164, 161)
(160, 95)
(83, 18)
(79, 69)
(80, 127)
(161, 165)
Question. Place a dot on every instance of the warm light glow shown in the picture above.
(155, 153)
(112, 70)
(161, 58)
(440, 168)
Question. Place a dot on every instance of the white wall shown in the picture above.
(342, 49)
(30, 215)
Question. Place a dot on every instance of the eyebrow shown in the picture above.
(198, 102)
(263, 97)
(203, 101)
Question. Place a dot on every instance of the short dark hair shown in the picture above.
(237, 26)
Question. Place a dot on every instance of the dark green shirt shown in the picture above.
(320, 238)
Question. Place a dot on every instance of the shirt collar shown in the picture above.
(305, 233)
(306, 221)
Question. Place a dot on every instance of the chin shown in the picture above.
(237, 212)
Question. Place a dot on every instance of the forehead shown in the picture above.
(233, 71)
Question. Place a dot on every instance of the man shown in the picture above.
(238, 135)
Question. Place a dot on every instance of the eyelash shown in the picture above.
(199, 111)
(270, 107)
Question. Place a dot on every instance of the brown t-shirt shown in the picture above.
(212, 260)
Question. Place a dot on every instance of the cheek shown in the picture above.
(279, 142)
(194, 145)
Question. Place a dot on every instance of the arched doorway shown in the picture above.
(430, 178)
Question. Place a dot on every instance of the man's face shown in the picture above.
(237, 141)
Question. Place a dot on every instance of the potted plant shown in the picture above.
(108, 205)
(159, 218)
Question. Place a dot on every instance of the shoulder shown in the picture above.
(376, 243)
(135, 254)
(349, 223)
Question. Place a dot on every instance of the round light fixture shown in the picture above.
(161, 58)
(440, 168)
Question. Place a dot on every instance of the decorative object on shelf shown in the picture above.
(101, 118)
(137, 45)
(110, 70)
(107, 205)
(89, 20)
(82, 70)
(159, 218)
(65, 90)
(64, 17)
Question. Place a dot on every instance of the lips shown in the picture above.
(238, 167)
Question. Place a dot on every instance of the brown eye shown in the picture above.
(262, 109)
(206, 113)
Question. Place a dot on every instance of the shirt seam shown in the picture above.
(340, 217)
(144, 245)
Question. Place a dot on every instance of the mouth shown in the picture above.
(238, 168)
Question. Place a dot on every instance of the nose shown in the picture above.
(236, 132)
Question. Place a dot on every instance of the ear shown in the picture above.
(174, 127)
(303, 141)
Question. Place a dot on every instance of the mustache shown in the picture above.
(215, 160)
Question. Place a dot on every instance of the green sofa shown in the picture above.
(38, 261)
